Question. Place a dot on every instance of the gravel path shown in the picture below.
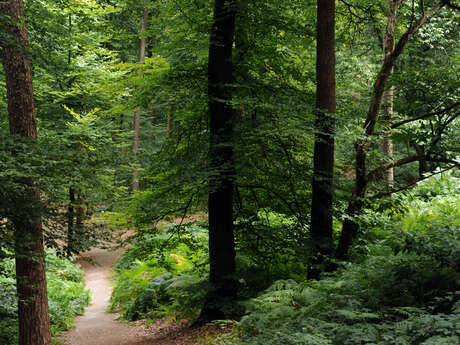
(99, 327)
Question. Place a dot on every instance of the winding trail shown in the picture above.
(99, 327)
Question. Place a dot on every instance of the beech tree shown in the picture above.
(221, 180)
(34, 323)
(323, 170)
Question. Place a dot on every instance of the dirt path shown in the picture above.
(98, 327)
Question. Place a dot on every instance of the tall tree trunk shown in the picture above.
(34, 324)
(350, 228)
(137, 114)
(70, 207)
(323, 170)
(387, 102)
(387, 142)
(221, 180)
(70, 223)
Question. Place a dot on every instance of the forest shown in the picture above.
(229, 172)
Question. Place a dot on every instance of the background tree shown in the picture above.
(137, 114)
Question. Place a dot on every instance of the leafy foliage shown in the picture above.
(404, 290)
(66, 293)
(162, 276)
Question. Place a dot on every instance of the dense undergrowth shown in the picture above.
(162, 275)
(402, 289)
(402, 286)
(165, 273)
(66, 293)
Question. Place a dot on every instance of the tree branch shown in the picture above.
(408, 160)
(393, 164)
(388, 64)
(425, 116)
(384, 194)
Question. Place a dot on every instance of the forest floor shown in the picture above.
(99, 327)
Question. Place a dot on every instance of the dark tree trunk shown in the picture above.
(323, 170)
(70, 223)
(34, 324)
(221, 181)
(170, 123)
(80, 211)
(422, 163)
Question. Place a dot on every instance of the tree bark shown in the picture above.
(387, 142)
(80, 213)
(137, 114)
(70, 223)
(388, 94)
(221, 180)
(422, 163)
(323, 169)
(350, 228)
(34, 324)
(170, 123)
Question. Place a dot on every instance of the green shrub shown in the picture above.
(328, 312)
(63, 269)
(404, 292)
(66, 299)
(67, 296)
(162, 275)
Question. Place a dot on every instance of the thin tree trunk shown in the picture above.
(70, 223)
(387, 142)
(221, 181)
(70, 208)
(350, 228)
(137, 114)
(34, 324)
(387, 101)
(323, 170)
(170, 123)
(422, 163)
